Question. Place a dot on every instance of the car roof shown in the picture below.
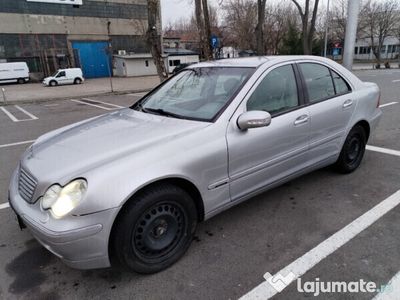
(256, 61)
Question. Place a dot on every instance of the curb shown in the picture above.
(33, 101)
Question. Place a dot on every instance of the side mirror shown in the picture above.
(253, 119)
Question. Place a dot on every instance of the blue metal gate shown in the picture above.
(94, 58)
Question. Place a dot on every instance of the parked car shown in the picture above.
(65, 76)
(130, 186)
(181, 67)
(14, 72)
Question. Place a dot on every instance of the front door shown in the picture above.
(262, 156)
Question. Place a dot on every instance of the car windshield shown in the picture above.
(197, 94)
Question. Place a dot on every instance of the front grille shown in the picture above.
(26, 185)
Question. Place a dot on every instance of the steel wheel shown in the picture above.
(353, 150)
(154, 229)
(158, 231)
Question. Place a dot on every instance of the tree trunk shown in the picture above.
(306, 49)
(200, 25)
(312, 27)
(207, 30)
(154, 39)
(260, 26)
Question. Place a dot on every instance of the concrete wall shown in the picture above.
(134, 67)
(184, 59)
(46, 24)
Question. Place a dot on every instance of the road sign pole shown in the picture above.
(353, 9)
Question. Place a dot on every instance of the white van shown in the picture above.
(65, 76)
(14, 72)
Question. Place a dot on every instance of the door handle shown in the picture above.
(301, 120)
(347, 103)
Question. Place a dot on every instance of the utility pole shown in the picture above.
(353, 9)
(326, 29)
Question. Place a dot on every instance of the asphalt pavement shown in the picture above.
(232, 251)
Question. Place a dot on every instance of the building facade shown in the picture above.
(390, 49)
(53, 34)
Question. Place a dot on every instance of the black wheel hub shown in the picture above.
(353, 150)
(158, 231)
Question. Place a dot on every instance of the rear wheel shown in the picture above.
(155, 229)
(353, 150)
(77, 81)
(53, 83)
(21, 80)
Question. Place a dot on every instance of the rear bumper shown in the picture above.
(79, 241)
(374, 121)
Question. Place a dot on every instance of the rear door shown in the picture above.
(261, 156)
(331, 105)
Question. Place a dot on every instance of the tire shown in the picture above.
(21, 81)
(154, 230)
(353, 150)
(53, 83)
(77, 81)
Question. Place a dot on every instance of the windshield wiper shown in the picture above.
(161, 112)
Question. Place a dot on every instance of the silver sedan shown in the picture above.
(129, 187)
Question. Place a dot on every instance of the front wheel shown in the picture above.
(77, 81)
(155, 229)
(353, 150)
(53, 83)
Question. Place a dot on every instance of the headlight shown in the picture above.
(62, 201)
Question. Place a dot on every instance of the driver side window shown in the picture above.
(61, 74)
(276, 93)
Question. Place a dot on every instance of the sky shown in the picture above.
(173, 10)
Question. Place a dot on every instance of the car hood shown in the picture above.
(88, 144)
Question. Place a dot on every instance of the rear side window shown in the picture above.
(342, 87)
(318, 81)
(276, 93)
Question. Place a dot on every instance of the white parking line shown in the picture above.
(387, 104)
(397, 80)
(14, 119)
(27, 113)
(392, 290)
(90, 104)
(98, 101)
(10, 115)
(304, 263)
(383, 150)
(4, 206)
(16, 144)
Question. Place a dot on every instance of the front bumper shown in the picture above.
(81, 242)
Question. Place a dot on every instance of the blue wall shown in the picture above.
(94, 59)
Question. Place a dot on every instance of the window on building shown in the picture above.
(146, 63)
(356, 50)
(383, 49)
(393, 49)
(174, 63)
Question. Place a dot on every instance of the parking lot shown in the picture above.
(232, 251)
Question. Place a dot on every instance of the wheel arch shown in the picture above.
(183, 183)
(367, 128)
